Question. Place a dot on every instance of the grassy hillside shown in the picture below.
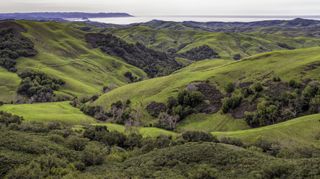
(285, 64)
(65, 113)
(211, 122)
(226, 44)
(64, 54)
(48, 112)
(9, 82)
(299, 132)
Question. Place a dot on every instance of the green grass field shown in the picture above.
(46, 112)
(9, 82)
(213, 122)
(299, 132)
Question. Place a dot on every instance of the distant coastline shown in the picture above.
(59, 16)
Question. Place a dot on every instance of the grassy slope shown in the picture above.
(213, 122)
(144, 131)
(45, 112)
(301, 131)
(64, 112)
(226, 44)
(286, 64)
(9, 82)
(63, 53)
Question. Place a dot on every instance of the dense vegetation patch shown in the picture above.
(273, 101)
(200, 97)
(7, 118)
(55, 150)
(200, 53)
(38, 87)
(154, 63)
(13, 45)
(120, 112)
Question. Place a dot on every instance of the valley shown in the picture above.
(160, 100)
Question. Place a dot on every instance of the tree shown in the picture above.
(315, 104)
(133, 140)
(231, 103)
(237, 57)
(257, 87)
(229, 88)
(167, 121)
(7, 118)
(198, 136)
(76, 143)
(94, 154)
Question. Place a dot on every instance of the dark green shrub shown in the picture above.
(42, 167)
(237, 57)
(257, 87)
(7, 118)
(294, 84)
(315, 104)
(133, 140)
(159, 142)
(231, 103)
(229, 88)
(246, 92)
(131, 77)
(311, 90)
(276, 79)
(103, 135)
(54, 125)
(57, 138)
(94, 154)
(200, 53)
(190, 98)
(38, 87)
(277, 171)
(198, 136)
(268, 147)
(76, 143)
(231, 141)
(203, 171)
(37, 127)
(154, 108)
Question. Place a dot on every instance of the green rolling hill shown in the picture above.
(299, 132)
(226, 44)
(286, 64)
(254, 117)
(64, 54)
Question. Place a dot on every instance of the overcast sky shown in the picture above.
(169, 7)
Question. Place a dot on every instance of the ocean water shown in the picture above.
(141, 19)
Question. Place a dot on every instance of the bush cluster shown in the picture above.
(200, 53)
(12, 46)
(38, 87)
(274, 101)
(186, 103)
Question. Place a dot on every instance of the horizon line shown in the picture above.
(180, 15)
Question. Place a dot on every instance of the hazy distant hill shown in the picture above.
(59, 15)
(295, 27)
